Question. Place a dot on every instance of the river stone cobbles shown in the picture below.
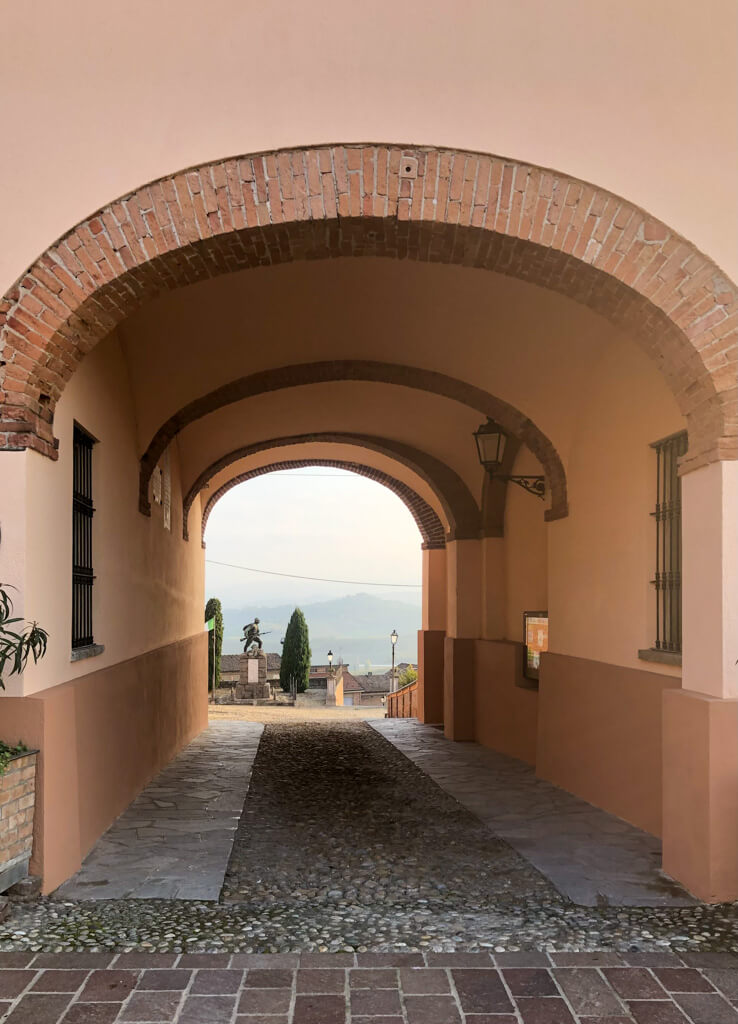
(345, 846)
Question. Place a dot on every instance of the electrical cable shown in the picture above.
(314, 579)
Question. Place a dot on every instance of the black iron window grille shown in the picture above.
(667, 581)
(82, 513)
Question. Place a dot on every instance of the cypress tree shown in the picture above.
(295, 654)
(213, 610)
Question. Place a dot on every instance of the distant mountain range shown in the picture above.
(356, 628)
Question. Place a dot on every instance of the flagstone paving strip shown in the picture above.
(262, 989)
(175, 839)
(591, 857)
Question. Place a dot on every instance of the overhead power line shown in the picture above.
(314, 579)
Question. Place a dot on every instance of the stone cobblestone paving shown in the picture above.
(369, 988)
(346, 845)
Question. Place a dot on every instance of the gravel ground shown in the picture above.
(285, 715)
(345, 845)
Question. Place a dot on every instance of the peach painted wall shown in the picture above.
(149, 583)
(600, 735)
(13, 466)
(505, 714)
(526, 549)
(601, 558)
(637, 97)
(102, 737)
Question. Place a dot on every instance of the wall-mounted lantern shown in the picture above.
(491, 439)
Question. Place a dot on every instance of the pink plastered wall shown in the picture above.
(637, 97)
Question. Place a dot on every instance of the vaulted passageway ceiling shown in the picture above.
(432, 412)
(517, 341)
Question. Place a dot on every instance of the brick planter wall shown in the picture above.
(17, 802)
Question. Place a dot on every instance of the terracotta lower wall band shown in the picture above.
(101, 738)
(600, 735)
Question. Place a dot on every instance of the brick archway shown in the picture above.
(426, 519)
(457, 501)
(303, 374)
(380, 200)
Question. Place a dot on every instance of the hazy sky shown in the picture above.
(313, 522)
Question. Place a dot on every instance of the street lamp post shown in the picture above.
(330, 660)
(393, 638)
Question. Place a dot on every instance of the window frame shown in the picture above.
(667, 575)
(83, 511)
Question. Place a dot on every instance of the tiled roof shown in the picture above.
(350, 683)
(274, 662)
(374, 684)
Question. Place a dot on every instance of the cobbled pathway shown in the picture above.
(358, 892)
(345, 845)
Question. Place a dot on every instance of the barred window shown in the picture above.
(667, 581)
(82, 513)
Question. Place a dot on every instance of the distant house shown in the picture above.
(229, 668)
(318, 679)
(364, 690)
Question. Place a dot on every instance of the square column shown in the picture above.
(700, 794)
(700, 722)
(431, 658)
(464, 626)
(431, 637)
(710, 580)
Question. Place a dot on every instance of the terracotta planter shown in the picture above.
(17, 801)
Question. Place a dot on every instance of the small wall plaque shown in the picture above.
(535, 638)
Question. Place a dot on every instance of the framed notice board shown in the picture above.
(535, 638)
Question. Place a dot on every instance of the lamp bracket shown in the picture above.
(533, 484)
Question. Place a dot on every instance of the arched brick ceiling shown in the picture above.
(303, 374)
(426, 519)
(397, 201)
(459, 506)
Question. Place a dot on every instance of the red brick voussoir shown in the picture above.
(380, 200)
(426, 519)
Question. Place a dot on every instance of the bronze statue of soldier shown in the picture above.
(251, 638)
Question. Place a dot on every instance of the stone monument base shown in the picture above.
(252, 683)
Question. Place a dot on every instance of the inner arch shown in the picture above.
(426, 519)
(514, 421)
(455, 499)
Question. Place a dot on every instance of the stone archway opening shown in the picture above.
(402, 202)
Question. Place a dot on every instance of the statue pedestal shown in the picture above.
(252, 683)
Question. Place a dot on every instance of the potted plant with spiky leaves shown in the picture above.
(19, 642)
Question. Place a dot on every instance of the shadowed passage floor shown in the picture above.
(345, 844)
(174, 840)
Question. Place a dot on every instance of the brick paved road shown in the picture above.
(369, 988)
